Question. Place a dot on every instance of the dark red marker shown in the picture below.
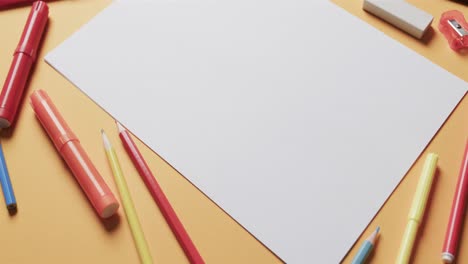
(8, 3)
(23, 59)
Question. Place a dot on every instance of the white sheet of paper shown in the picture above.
(295, 117)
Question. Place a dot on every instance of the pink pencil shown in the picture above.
(457, 215)
(161, 200)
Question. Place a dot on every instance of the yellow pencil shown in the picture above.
(127, 203)
(418, 206)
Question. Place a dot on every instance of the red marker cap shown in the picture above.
(23, 59)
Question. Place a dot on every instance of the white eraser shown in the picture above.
(401, 14)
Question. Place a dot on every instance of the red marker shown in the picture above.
(160, 198)
(457, 215)
(69, 147)
(23, 59)
(5, 3)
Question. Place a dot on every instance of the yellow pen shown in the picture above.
(418, 206)
(127, 203)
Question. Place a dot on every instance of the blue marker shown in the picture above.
(10, 199)
(366, 248)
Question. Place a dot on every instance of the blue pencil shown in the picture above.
(7, 189)
(366, 248)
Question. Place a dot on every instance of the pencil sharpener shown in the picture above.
(455, 29)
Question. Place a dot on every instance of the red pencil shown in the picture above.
(457, 215)
(158, 195)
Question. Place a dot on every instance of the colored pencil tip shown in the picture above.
(120, 127)
(12, 209)
(106, 141)
(373, 237)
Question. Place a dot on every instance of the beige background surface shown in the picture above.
(56, 224)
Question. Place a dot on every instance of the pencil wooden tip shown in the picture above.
(105, 140)
(374, 235)
(120, 127)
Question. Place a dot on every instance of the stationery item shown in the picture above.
(127, 202)
(416, 213)
(7, 188)
(160, 198)
(455, 29)
(249, 103)
(366, 248)
(6, 3)
(457, 215)
(23, 59)
(70, 149)
(400, 14)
